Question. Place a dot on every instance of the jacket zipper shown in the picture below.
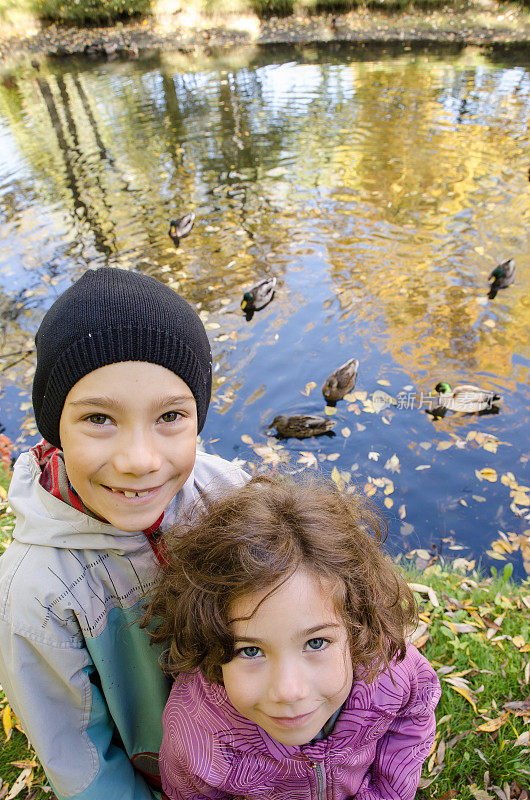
(320, 779)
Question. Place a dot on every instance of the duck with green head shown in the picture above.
(465, 398)
(258, 296)
(501, 277)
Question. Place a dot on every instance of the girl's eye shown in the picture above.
(249, 652)
(316, 644)
(170, 416)
(97, 419)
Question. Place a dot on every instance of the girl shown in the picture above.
(286, 627)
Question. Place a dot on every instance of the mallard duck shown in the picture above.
(181, 227)
(301, 426)
(466, 398)
(341, 381)
(259, 296)
(502, 276)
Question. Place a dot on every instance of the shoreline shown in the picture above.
(479, 22)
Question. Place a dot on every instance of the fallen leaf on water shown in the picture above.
(309, 459)
(383, 382)
(426, 445)
(402, 511)
(486, 474)
(369, 489)
(308, 388)
(478, 498)
(496, 556)
(388, 502)
(247, 439)
(333, 456)
(330, 410)
(393, 464)
(360, 427)
(406, 529)
(423, 466)
(374, 455)
(345, 432)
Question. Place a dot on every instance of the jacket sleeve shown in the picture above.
(53, 690)
(396, 770)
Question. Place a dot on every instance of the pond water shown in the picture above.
(380, 187)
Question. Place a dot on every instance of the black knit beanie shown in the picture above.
(112, 315)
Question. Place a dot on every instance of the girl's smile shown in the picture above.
(292, 667)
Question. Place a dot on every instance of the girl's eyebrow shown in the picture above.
(306, 632)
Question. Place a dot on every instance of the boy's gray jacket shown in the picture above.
(78, 671)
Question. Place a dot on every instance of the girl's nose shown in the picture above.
(136, 454)
(288, 683)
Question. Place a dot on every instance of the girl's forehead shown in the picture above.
(301, 602)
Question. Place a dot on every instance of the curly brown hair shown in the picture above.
(254, 539)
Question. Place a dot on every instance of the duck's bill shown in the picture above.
(244, 304)
(172, 230)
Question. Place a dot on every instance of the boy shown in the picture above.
(121, 389)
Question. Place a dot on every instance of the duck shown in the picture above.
(502, 276)
(181, 227)
(259, 295)
(301, 426)
(466, 398)
(341, 381)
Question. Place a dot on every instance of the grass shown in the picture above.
(475, 631)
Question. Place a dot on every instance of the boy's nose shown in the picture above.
(136, 454)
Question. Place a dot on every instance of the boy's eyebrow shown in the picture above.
(306, 632)
(109, 402)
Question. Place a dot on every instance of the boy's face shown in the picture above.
(292, 667)
(128, 432)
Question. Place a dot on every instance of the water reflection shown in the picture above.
(379, 187)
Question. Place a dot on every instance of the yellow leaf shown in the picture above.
(389, 488)
(489, 474)
(389, 502)
(497, 556)
(445, 445)
(383, 382)
(521, 499)
(369, 489)
(329, 410)
(3, 493)
(7, 721)
(402, 511)
(20, 783)
(333, 456)
(335, 477)
(308, 387)
(494, 724)
(491, 447)
(24, 764)
(465, 693)
(247, 439)
(345, 432)
(518, 641)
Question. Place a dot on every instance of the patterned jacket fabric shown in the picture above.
(375, 751)
(80, 674)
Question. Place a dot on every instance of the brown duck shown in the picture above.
(341, 381)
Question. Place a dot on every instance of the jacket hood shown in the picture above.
(43, 519)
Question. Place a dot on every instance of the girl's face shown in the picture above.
(292, 668)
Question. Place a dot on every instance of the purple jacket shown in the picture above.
(375, 751)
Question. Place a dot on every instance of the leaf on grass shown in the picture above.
(422, 589)
(24, 764)
(462, 687)
(7, 720)
(493, 724)
(523, 739)
(481, 794)
(20, 783)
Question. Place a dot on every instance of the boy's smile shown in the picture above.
(128, 433)
(292, 667)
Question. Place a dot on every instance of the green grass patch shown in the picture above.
(88, 12)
